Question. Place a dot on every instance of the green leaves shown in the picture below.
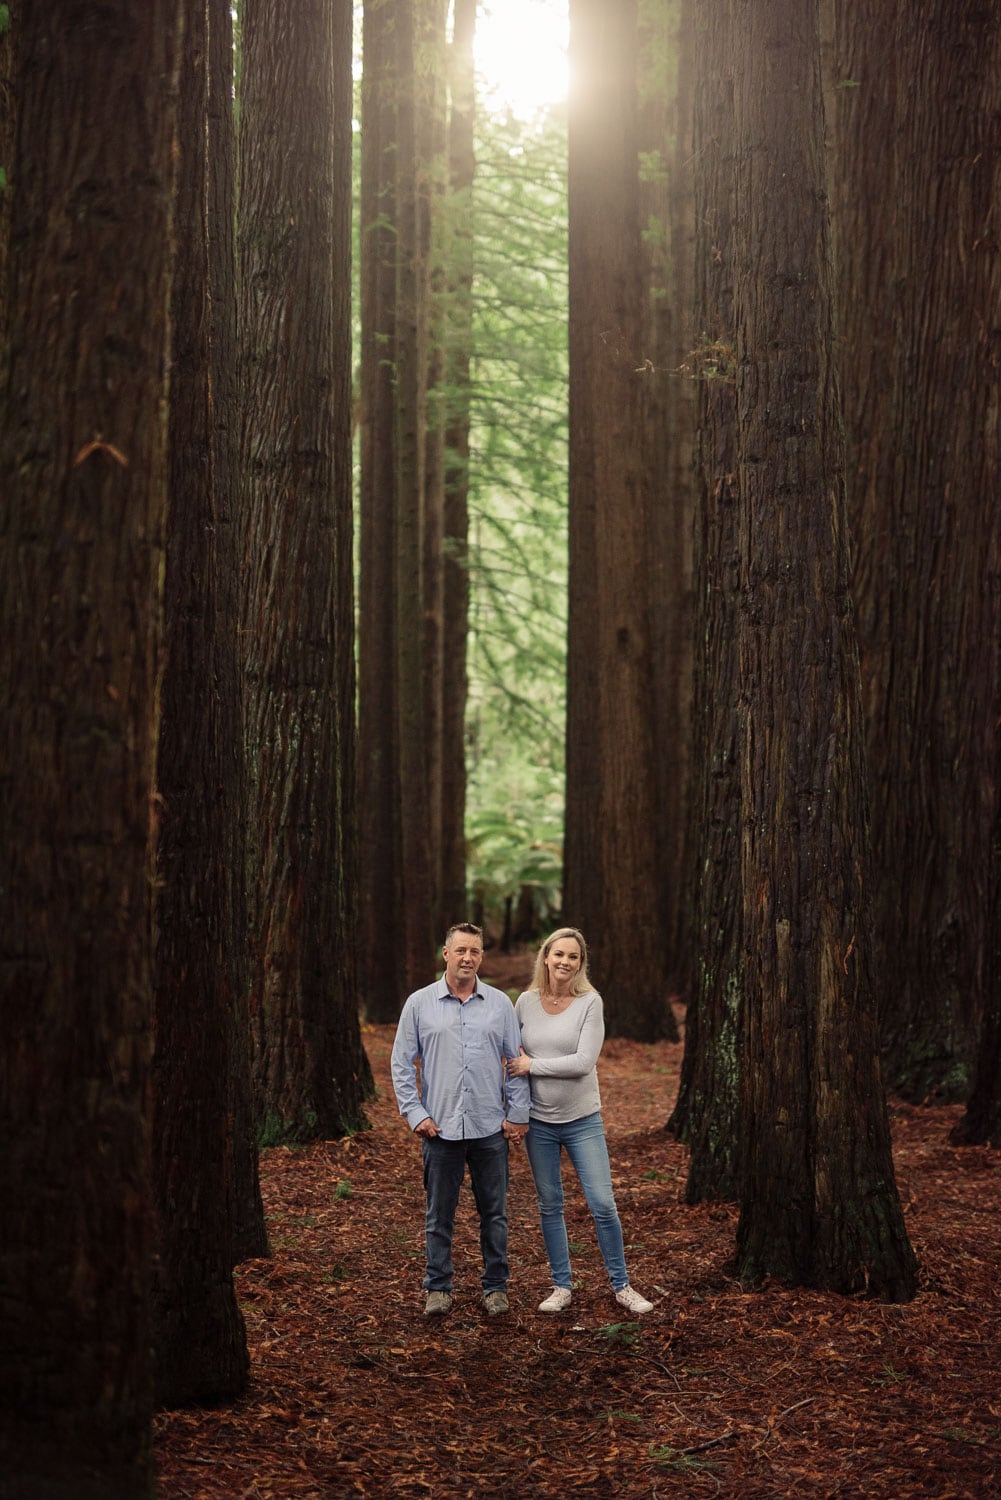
(518, 511)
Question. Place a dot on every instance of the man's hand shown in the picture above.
(514, 1132)
(427, 1127)
(520, 1066)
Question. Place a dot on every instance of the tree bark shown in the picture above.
(249, 1235)
(382, 968)
(818, 1201)
(920, 372)
(198, 1332)
(455, 563)
(83, 455)
(294, 257)
(8, 122)
(707, 1115)
(409, 594)
(613, 821)
(432, 184)
(666, 231)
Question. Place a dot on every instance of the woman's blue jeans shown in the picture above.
(444, 1169)
(584, 1142)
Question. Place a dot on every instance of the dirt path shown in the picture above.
(717, 1391)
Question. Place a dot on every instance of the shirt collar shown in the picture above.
(444, 993)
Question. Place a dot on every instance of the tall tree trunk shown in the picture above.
(981, 1124)
(198, 1333)
(8, 122)
(411, 522)
(83, 454)
(665, 221)
(919, 364)
(295, 173)
(455, 565)
(249, 1234)
(382, 969)
(707, 1113)
(818, 1201)
(399, 729)
(613, 821)
(432, 183)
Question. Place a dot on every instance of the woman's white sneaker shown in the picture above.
(631, 1300)
(559, 1300)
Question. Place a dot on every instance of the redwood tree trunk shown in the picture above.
(381, 947)
(613, 821)
(417, 822)
(83, 452)
(8, 120)
(432, 179)
(294, 263)
(249, 1235)
(921, 376)
(665, 218)
(818, 1201)
(199, 1338)
(707, 1115)
(455, 565)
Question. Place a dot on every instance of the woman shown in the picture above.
(562, 1029)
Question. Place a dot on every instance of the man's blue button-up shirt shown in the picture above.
(461, 1046)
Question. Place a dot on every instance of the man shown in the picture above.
(466, 1110)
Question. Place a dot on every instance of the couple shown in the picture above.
(462, 1032)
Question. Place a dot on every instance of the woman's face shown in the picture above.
(563, 962)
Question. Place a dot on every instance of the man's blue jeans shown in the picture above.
(444, 1168)
(584, 1142)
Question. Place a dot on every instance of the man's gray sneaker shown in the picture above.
(496, 1302)
(437, 1303)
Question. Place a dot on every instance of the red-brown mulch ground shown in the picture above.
(717, 1392)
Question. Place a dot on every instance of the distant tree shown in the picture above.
(83, 474)
(294, 257)
(706, 1115)
(818, 1201)
(198, 1333)
(664, 140)
(517, 513)
(401, 662)
(409, 596)
(432, 183)
(613, 820)
(381, 947)
(921, 289)
(457, 341)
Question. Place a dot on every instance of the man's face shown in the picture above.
(463, 957)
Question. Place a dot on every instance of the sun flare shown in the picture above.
(521, 54)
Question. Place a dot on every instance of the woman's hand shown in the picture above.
(518, 1066)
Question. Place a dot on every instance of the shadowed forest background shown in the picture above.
(414, 509)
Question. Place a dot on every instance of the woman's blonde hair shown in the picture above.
(540, 975)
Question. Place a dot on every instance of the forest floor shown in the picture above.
(718, 1391)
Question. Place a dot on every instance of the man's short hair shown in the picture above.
(467, 927)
